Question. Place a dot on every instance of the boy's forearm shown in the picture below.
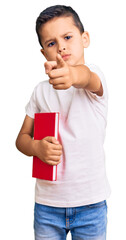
(26, 144)
(84, 78)
(81, 76)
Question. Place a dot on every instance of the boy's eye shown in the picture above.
(68, 37)
(51, 44)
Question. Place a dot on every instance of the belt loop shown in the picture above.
(67, 218)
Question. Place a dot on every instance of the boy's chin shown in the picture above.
(71, 63)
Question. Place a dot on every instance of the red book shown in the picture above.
(45, 124)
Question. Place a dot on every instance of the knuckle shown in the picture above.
(50, 74)
(61, 147)
(59, 154)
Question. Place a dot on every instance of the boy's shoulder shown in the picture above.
(94, 68)
(42, 85)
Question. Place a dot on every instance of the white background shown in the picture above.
(21, 69)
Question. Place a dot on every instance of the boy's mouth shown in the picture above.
(66, 56)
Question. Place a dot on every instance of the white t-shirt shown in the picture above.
(81, 175)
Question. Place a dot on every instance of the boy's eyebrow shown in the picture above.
(52, 39)
(49, 41)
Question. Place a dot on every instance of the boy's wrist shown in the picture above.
(80, 76)
(34, 146)
(73, 73)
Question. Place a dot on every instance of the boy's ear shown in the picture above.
(42, 51)
(85, 39)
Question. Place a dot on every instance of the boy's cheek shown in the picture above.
(50, 56)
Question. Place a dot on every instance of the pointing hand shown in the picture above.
(59, 72)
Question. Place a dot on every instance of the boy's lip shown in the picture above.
(65, 56)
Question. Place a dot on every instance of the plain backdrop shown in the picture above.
(21, 69)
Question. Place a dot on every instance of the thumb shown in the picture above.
(60, 62)
(51, 140)
(54, 140)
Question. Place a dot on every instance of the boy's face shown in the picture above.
(60, 35)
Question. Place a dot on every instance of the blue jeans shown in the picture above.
(85, 222)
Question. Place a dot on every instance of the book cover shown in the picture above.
(45, 124)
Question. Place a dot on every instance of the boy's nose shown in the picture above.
(61, 46)
(61, 49)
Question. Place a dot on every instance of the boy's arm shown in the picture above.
(48, 149)
(24, 141)
(63, 76)
(84, 78)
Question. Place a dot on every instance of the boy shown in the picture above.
(76, 202)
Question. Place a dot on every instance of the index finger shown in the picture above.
(60, 62)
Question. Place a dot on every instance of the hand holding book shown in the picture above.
(49, 150)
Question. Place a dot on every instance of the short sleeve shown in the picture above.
(99, 103)
(96, 70)
(32, 106)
